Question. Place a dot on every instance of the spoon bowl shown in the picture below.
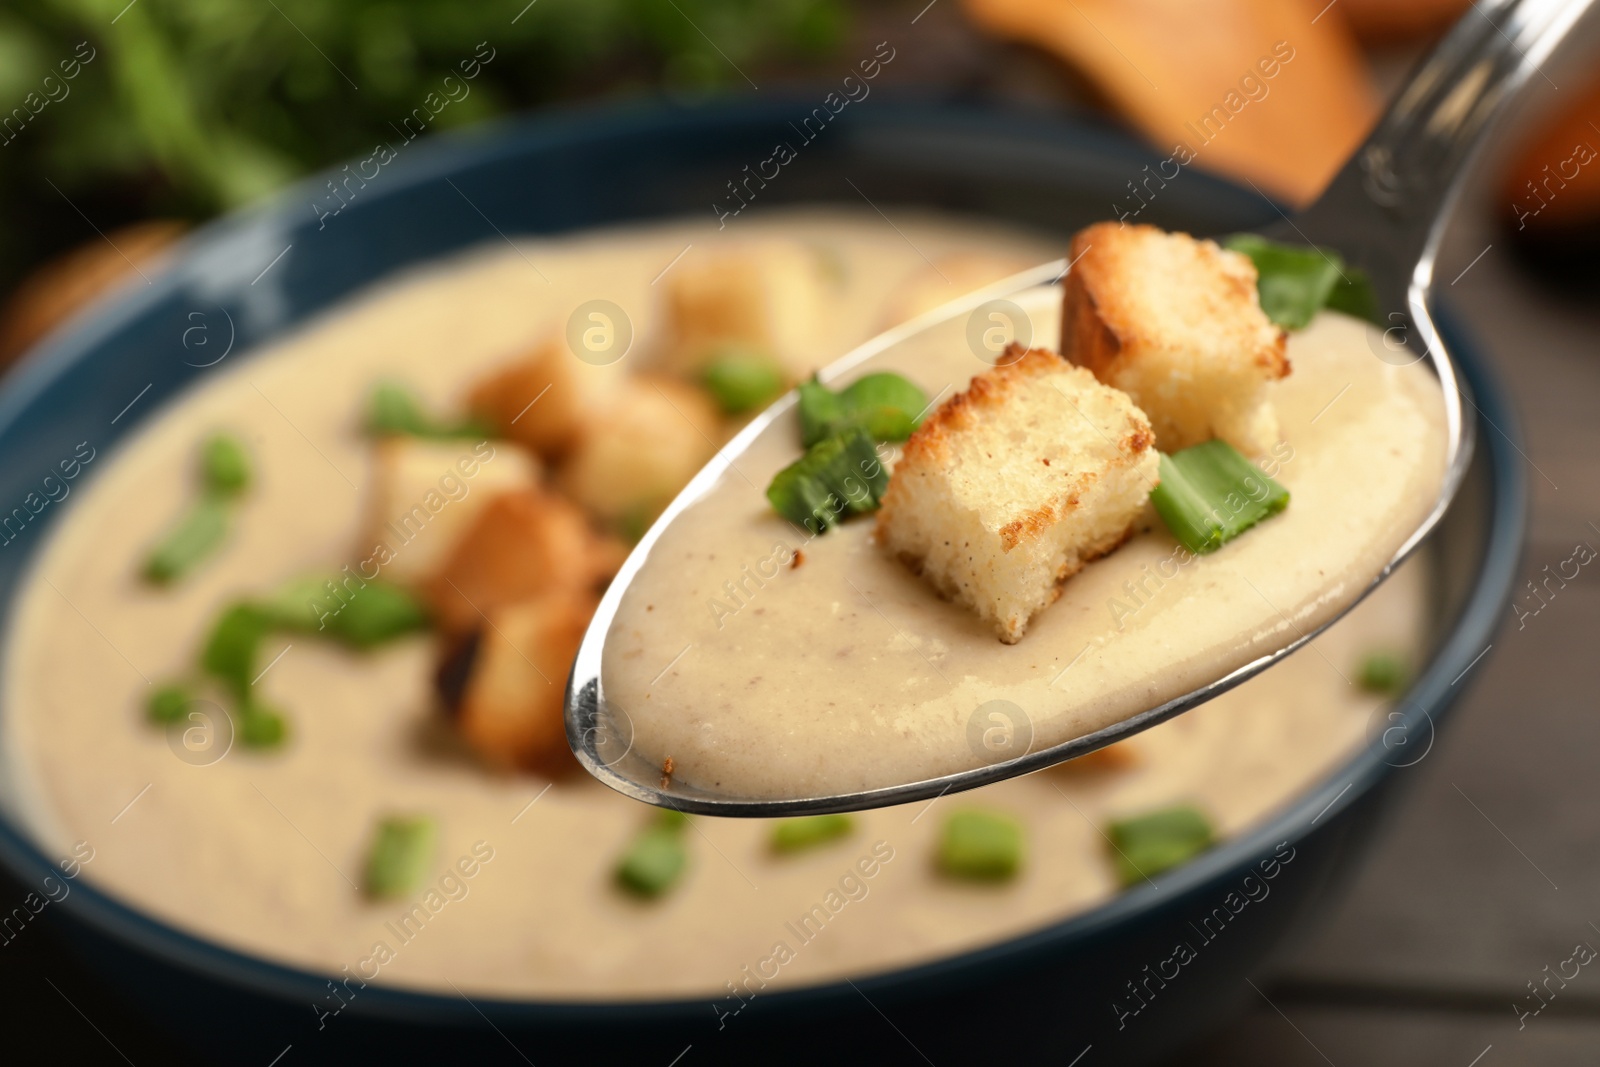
(1384, 214)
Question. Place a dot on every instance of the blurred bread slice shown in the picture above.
(1009, 488)
(1271, 90)
(634, 454)
(1176, 324)
(425, 494)
(522, 544)
(542, 399)
(512, 704)
(770, 296)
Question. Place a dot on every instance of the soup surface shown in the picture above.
(262, 851)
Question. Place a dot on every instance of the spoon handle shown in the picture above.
(1391, 198)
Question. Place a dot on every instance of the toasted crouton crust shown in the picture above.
(1176, 324)
(543, 399)
(1010, 487)
(523, 545)
(512, 705)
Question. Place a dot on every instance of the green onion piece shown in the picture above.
(656, 859)
(1146, 845)
(402, 852)
(261, 726)
(230, 652)
(820, 411)
(1355, 296)
(299, 604)
(742, 380)
(1295, 282)
(373, 614)
(793, 835)
(392, 410)
(168, 704)
(887, 405)
(225, 465)
(838, 476)
(1383, 672)
(1210, 494)
(191, 541)
(980, 845)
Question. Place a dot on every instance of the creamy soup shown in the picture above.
(847, 673)
(262, 850)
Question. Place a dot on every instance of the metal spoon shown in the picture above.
(1384, 212)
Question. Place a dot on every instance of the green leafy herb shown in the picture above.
(261, 726)
(1210, 494)
(885, 405)
(230, 652)
(168, 703)
(742, 380)
(374, 614)
(1146, 845)
(392, 410)
(1297, 281)
(980, 845)
(1383, 672)
(225, 474)
(656, 858)
(225, 465)
(793, 835)
(401, 853)
(196, 536)
(838, 476)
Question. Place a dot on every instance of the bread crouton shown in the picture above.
(426, 493)
(543, 399)
(636, 453)
(770, 297)
(1176, 324)
(523, 544)
(1009, 488)
(512, 704)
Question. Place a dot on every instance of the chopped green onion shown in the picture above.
(980, 845)
(1383, 672)
(820, 410)
(392, 410)
(168, 704)
(838, 476)
(1294, 282)
(230, 652)
(1210, 494)
(656, 858)
(401, 853)
(225, 465)
(742, 380)
(885, 405)
(374, 614)
(793, 835)
(1148, 844)
(261, 726)
(192, 540)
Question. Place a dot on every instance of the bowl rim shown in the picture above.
(568, 128)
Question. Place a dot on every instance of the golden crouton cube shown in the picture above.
(644, 446)
(1009, 488)
(770, 297)
(523, 544)
(1176, 324)
(426, 493)
(542, 399)
(512, 705)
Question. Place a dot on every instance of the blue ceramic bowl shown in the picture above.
(1104, 978)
